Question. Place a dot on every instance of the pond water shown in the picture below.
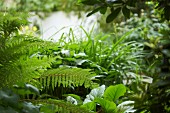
(57, 23)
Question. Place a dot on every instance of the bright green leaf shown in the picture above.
(108, 106)
(112, 93)
(89, 106)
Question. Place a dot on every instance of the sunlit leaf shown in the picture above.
(112, 93)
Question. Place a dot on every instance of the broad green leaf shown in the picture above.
(108, 106)
(89, 105)
(113, 15)
(112, 93)
(126, 12)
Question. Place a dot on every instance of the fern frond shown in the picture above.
(20, 61)
(67, 77)
(60, 106)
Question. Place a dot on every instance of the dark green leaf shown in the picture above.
(115, 2)
(94, 11)
(131, 3)
(113, 15)
(89, 2)
(167, 12)
(126, 12)
(103, 10)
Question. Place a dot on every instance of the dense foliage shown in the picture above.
(125, 69)
(125, 6)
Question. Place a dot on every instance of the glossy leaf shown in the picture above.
(112, 93)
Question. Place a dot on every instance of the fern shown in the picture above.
(19, 58)
(67, 77)
(59, 106)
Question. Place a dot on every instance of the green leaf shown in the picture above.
(131, 3)
(112, 93)
(94, 11)
(113, 15)
(89, 105)
(103, 10)
(126, 12)
(108, 106)
(89, 2)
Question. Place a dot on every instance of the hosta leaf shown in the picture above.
(112, 93)
(95, 93)
(108, 106)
